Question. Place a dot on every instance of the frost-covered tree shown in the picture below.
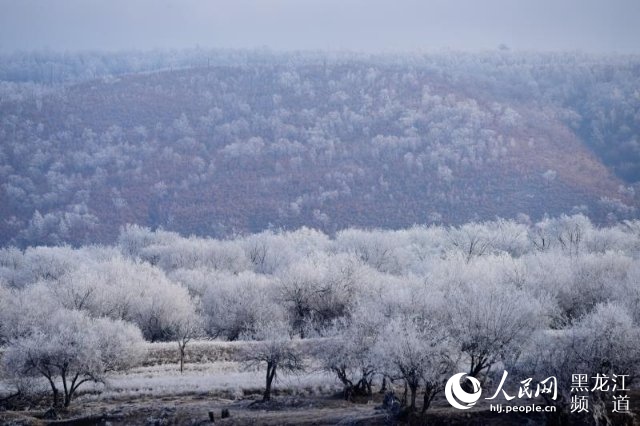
(11, 263)
(417, 353)
(471, 239)
(196, 253)
(133, 239)
(602, 343)
(509, 237)
(196, 281)
(490, 322)
(595, 278)
(268, 252)
(71, 349)
(377, 249)
(48, 263)
(185, 326)
(348, 353)
(25, 309)
(608, 341)
(122, 289)
(570, 232)
(234, 305)
(5, 294)
(317, 290)
(273, 349)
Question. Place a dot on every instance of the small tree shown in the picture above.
(186, 327)
(70, 348)
(274, 349)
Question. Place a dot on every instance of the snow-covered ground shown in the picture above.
(210, 369)
(225, 379)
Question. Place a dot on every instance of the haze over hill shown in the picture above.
(221, 142)
(359, 25)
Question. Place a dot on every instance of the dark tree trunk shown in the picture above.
(413, 388)
(65, 389)
(271, 373)
(182, 347)
(403, 403)
(56, 397)
(383, 387)
(478, 363)
(348, 385)
(426, 402)
(429, 393)
(54, 392)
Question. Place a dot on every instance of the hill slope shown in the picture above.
(329, 143)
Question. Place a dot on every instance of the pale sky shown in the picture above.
(361, 25)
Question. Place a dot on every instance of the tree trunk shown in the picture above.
(182, 350)
(477, 365)
(67, 400)
(348, 385)
(54, 391)
(271, 373)
(56, 396)
(413, 389)
(68, 389)
(403, 403)
(426, 401)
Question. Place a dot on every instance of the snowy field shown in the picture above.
(209, 370)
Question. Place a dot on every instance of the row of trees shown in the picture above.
(411, 306)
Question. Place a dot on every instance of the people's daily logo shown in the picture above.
(458, 397)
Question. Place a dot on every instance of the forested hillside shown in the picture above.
(221, 143)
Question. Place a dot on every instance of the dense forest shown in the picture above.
(410, 306)
(220, 143)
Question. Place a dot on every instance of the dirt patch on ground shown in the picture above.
(283, 410)
(194, 410)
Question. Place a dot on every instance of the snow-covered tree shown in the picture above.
(122, 289)
(186, 326)
(348, 353)
(471, 239)
(602, 343)
(417, 353)
(70, 348)
(317, 290)
(490, 322)
(234, 305)
(273, 349)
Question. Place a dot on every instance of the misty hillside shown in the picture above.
(221, 144)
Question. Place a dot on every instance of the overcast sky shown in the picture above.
(369, 25)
